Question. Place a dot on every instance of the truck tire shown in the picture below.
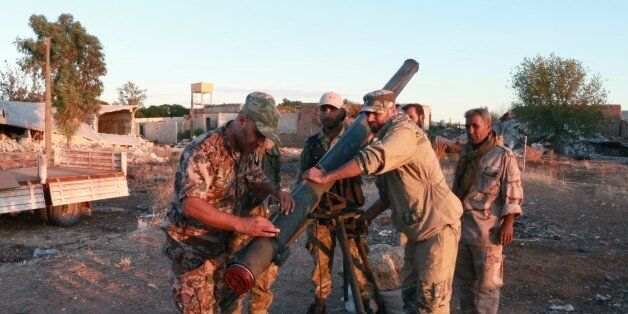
(64, 215)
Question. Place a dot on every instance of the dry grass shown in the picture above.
(157, 181)
(544, 177)
(125, 263)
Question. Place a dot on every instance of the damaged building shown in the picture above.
(112, 125)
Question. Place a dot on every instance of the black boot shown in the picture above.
(318, 307)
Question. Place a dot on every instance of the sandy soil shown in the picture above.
(570, 247)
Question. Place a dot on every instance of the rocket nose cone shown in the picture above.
(239, 279)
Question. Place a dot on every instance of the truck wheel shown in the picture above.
(64, 215)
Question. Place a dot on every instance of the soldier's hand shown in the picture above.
(314, 174)
(257, 226)
(286, 202)
(506, 231)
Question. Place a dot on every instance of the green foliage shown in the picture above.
(555, 97)
(17, 84)
(289, 105)
(77, 63)
(164, 110)
(186, 134)
(131, 95)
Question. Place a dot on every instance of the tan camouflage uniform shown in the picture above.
(423, 207)
(321, 240)
(495, 191)
(212, 170)
(261, 296)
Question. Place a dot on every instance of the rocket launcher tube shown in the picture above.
(252, 260)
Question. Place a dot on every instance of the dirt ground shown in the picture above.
(570, 246)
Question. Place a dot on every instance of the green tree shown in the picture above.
(165, 110)
(289, 105)
(131, 95)
(557, 98)
(19, 85)
(77, 63)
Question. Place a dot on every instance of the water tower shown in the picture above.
(199, 89)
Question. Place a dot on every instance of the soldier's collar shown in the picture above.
(230, 149)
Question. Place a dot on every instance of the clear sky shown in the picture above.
(298, 50)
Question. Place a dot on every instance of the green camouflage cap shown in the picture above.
(378, 101)
(261, 108)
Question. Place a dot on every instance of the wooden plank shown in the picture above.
(21, 199)
(21, 191)
(89, 192)
(70, 185)
(19, 208)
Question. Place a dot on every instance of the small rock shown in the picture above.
(152, 285)
(383, 220)
(385, 233)
(562, 308)
(602, 298)
(44, 252)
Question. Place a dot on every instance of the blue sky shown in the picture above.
(298, 50)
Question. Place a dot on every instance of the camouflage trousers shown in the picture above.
(197, 281)
(321, 242)
(428, 272)
(480, 274)
(261, 295)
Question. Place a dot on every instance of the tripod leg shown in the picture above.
(348, 265)
(368, 270)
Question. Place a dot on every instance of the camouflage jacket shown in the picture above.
(496, 191)
(410, 179)
(212, 170)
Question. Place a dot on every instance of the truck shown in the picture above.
(64, 191)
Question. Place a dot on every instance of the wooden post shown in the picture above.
(525, 151)
(48, 118)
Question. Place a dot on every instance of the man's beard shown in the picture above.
(374, 127)
(332, 125)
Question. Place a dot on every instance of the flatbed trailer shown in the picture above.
(63, 192)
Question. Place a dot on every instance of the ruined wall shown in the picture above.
(288, 123)
(611, 124)
(117, 122)
(160, 132)
(307, 121)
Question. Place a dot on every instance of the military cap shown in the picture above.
(261, 108)
(378, 101)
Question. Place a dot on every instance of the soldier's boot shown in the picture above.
(318, 307)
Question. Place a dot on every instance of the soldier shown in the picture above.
(267, 157)
(440, 144)
(321, 235)
(488, 182)
(412, 184)
(215, 172)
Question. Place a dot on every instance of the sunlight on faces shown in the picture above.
(477, 129)
(247, 137)
(377, 120)
(330, 116)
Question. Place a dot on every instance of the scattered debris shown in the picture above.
(45, 252)
(561, 308)
(601, 299)
(385, 233)
(145, 221)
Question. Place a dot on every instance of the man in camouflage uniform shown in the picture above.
(215, 171)
(321, 234)
(268, 158)
(412, 184)
(488, 181)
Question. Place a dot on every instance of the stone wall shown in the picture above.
(288, 123)
(307, 121)
(160, 132)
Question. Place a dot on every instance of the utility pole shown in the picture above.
(48, 118)
(191, 114)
